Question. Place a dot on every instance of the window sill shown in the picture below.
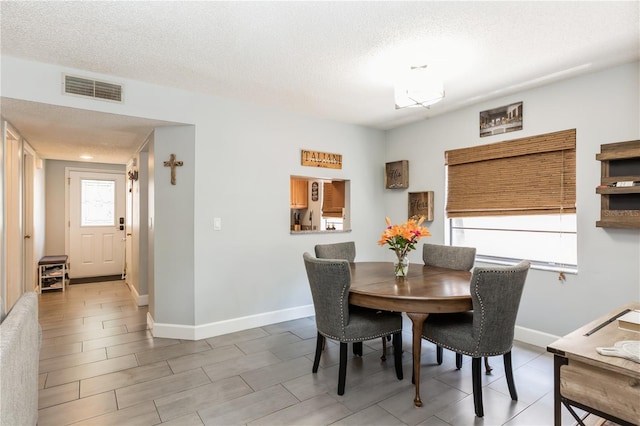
(567, 269)
(320, 231)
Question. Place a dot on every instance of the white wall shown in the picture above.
(603, 107)
(251, 272)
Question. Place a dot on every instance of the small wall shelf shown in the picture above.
(620, 205)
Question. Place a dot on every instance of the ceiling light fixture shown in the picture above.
(420, 87)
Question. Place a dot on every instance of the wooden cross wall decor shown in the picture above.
(173, 164)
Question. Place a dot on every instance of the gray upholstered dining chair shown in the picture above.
(346, 251)
(488, 329)
(451, 257)
(330, 280)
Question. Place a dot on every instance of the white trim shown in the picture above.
(205, 331)
(534, 337)
(141, 300)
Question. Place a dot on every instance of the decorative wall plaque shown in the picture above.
(421, 204)
(327, 160)
(397, 175)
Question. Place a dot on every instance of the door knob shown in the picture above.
(26, 237)
(128, 234)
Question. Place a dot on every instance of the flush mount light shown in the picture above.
(419, 87)
(86, 157)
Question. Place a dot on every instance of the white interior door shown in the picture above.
(13, 223)
(96, 228)
(30, 264)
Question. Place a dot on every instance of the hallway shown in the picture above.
(99, 365)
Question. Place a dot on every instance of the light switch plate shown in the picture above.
(217, 223)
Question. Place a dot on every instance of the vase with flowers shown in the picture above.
(402, 239)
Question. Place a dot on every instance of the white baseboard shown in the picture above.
(205, 331)
(534, 337)
(141, 300)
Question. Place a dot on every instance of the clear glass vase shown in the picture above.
(401, 266)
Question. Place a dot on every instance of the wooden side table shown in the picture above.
(606, 386)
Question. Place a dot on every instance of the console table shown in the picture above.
(606, 386)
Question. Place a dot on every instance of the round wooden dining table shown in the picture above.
(423, 291)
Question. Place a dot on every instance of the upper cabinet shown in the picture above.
(619, 185)
(299, 193)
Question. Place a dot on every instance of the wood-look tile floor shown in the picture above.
(99, 365)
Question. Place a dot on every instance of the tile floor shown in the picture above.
(99, 365)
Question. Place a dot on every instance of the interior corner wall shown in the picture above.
(141, 219)
(173, 229)
(603, 107)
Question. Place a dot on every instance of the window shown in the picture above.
(516, 200)
(98, 202)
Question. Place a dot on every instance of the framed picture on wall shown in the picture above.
(503, 119)
(421, 204)
(397, 174)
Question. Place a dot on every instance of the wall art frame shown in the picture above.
(397, 174)
(421, 204)
(504, 119)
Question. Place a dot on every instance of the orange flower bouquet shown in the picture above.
(402, 239)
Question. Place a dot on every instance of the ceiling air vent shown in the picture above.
(92, 88)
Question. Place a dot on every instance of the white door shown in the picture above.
(96, 228)
(30, 264)
(12, 221)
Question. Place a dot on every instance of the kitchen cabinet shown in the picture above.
(299, 193)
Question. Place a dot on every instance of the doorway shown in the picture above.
(96, 217)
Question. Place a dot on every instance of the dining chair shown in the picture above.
(346, 251)
(488, 329)
(330, 280)
(451, 257)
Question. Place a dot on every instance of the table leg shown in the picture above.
(558, 361)
(417, 321)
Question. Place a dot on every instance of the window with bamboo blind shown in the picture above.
(534, 175)
(516, 200)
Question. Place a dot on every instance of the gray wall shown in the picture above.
(55, 200)
(238, 167)
(173, 227)
(603, 107)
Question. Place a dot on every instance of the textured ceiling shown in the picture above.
(333, 60)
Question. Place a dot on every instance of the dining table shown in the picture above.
(422, 291)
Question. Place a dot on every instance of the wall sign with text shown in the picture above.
(397, 174)
(421, 204)
(321, 159)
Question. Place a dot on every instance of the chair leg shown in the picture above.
(476, 369)
(342, 372)
(439, 354)
(397, 354)
(458, 361)
(357, 348)
(508, 371)
(384, 349)
(319, 347)
(487, 367)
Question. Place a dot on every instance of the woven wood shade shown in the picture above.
(534, 175)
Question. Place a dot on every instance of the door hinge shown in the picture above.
(69, 181)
